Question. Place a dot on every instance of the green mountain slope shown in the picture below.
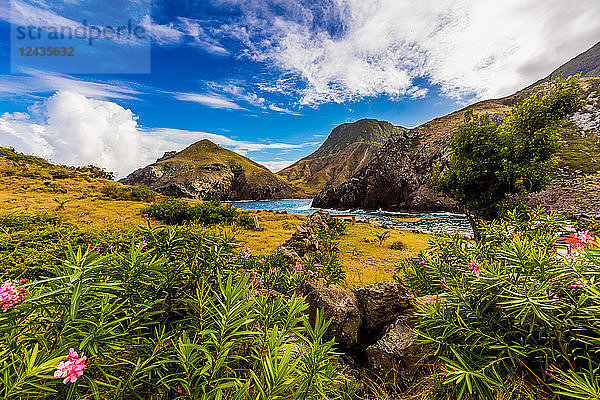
(208, 171)
(587, 63)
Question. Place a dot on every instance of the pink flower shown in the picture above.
(162, 344)
(443, 280)
(179, 390)
(142, 244)
(246, 252)
(71, 368)
(257, 279)
(72, 356)
(298, 267)
(550, 372)
(584, 238)
(262, 260)
(578, 282)
(12, 293)
(476, 267)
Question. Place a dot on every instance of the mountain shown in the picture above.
(207, 171)
(398, 176)
(348, 148)
(587, 63)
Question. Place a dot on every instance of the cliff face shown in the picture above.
(348, 149)
(398, 176)
(207, 171)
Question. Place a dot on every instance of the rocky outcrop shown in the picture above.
(396, 179)
(207, 171)
(304, 242)
(340, 307)
(369, 323)
(381, 304)
(397, 347)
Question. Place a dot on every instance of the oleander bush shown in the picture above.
(33, 244)
(515, 307)
(175, 211)
(176, 315)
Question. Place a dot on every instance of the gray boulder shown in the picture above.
(396, 349)
(340, 306)
(381, 304)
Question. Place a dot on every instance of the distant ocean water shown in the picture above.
(424, 222)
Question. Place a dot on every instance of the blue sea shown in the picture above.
(426, 222)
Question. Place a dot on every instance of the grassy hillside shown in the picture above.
(83, 203)
(207, 171)
(206, 152)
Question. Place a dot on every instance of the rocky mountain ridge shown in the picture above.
(348, 148)
(207, 171)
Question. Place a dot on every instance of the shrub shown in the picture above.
(398, 245)
(36, 167)
(511, 308)
(381, 236)
(170, 211)
(32, 244)
(162, 318)
(116, 191)
(174, 211)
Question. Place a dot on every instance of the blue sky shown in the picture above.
(269, 79)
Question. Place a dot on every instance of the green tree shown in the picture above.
(489, 163)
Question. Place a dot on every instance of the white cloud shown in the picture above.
(282, 110)
(42, 82)
(174, 32)
(234, 89)
(275, 166)
(73, 129)
(343, 50)
(212, 101)
(162, 34)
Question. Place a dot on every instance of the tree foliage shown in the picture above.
(490, 162)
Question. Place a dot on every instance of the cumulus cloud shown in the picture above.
(341, 50)
(73, 129)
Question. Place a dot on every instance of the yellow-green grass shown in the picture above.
(276, 229)
(84, 203)
(366, 261)
(363, 259)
